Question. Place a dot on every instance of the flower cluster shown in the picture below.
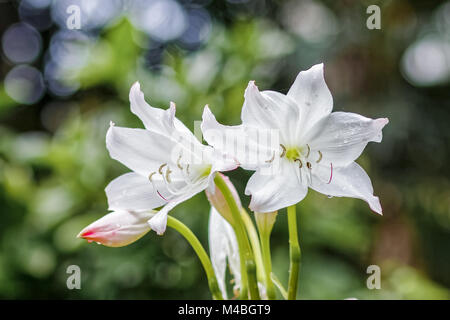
(293, 142)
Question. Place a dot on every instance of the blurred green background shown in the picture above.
(60, 88)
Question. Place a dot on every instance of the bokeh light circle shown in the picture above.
(310, 20)
(427, 62)
(199, 28)
(21, 43)
(164, 20)
(35, 14)
(24, 84)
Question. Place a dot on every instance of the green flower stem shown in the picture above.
(294, 253)
(265, 245)
(201, 253)
(254, 241)
(279, 285)
(248, 267)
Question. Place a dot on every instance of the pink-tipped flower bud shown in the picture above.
(118, 228)
(218, 201)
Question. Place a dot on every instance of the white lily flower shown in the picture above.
(118, 229)
(223, 249)
(169, 164)
(316, 148)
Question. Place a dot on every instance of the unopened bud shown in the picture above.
(118, 228)
(218, 201)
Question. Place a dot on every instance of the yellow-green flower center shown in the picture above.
(206, 171)
(292, 153)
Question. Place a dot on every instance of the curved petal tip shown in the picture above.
(375, 205)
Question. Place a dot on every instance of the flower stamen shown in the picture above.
(300, 163)
(271, 159)
(167, 182)
(161, 167)
(178, 162)
(150, 177)
(309, 150)
(308, 164)
(320, 157)
(168, 171)
(283, 152)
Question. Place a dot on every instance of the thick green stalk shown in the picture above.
(265, 222)
(201, 253)
(254, 240)
(248, 267)
(265, 245)
(294, 253)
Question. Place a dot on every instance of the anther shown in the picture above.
(168, 171)
(271, 159)
(300, 163)
(187, 169)
(320, 157)
(308, 164)
(178, 163)
(282, 152)
(150, 176)
(309, 150)
(161, 167)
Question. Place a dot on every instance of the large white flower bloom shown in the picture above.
(316, 148)
(169, 164)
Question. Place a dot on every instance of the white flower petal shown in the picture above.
(245, 145)
(270, 110)
(159, 222)
(222, 162)
(287, 113)
(350, 181)
(134, 192)
(223, 246)
(342, 136)
(211, 184)
(154, 119)
(312, 96)
(117, 229)
(273, 192)
(140, 150)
